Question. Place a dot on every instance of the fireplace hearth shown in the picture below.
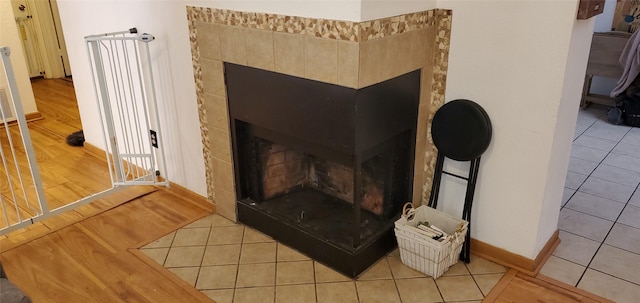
(320, 167)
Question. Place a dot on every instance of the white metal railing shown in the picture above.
(18, 207)
(22, 196)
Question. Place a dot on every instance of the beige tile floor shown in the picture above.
(233, 263)
(600, 218)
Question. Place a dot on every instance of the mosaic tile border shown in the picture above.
(438, 89)
(202, 110)
(324, 28)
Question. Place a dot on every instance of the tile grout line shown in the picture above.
(589, 175)
(614, 222)
(393, 277)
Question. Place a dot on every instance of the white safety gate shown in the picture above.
(125, 94)
(125, 91)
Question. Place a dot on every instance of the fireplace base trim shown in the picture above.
(348, 262)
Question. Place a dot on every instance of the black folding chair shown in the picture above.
(461, 130)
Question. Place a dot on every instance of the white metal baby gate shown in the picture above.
(123, 81)
(125, 93)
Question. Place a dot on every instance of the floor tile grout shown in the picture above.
(392, 275)
(584, 132)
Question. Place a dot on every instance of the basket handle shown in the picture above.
(408, 211)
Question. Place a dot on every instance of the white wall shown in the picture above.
(166, 20)
(509, 56)
(327, 9)
(376, 9)
(9, 37)
(567, 114)
(171, 52)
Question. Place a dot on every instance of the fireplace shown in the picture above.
(341, 62)
(323, 168)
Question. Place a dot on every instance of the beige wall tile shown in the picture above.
(423, 50)
(414, 49)
(233, 45)
(371, 60)
(348, 61)
(220, 143)
(321, 59)
(418, 173)
(389, 57)
(260, 52)
(226, 204)
(423, 141)
(217, 113)
(397, 60)
(213, 77)
(426, 84)
(422, 134)
(289, 54)
(222, 175)
(209, 40)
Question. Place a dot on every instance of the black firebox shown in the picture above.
(323, 168)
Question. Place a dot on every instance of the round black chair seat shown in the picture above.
(461, 130)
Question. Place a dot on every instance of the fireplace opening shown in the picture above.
(322, 168)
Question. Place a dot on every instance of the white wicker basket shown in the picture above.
(423, 253)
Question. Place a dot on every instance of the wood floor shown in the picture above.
(68, 173)
(518, 287)
(90, 254)
(96, 260)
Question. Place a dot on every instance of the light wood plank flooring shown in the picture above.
(68, 173)
(95, 260)
(519, 287)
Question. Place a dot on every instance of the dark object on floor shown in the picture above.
(631, 111)
(10, 293)
(76, 139)
(627, 109)
(614, 115)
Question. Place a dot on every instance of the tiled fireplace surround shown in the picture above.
(350, 54)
